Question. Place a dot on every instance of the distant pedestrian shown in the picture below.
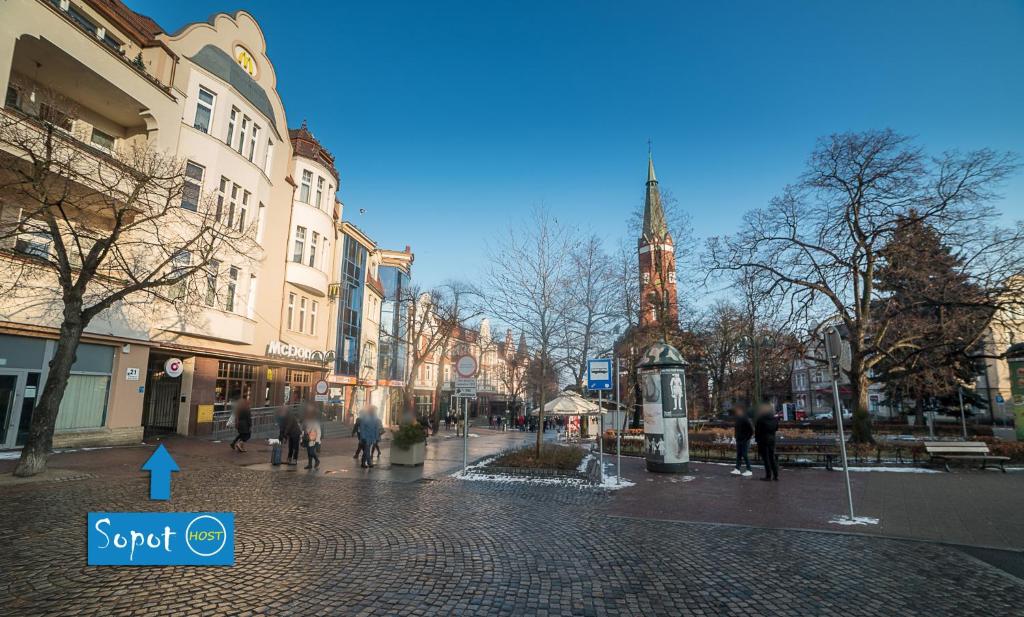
(764, 432)
(743, 430)
(370, 431)
(311, 435)
(243, 425)
(292, 431)
(355, 431)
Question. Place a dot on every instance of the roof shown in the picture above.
(310, 147)
(374, 283)
(218, 62)
(655, 230)
(143, 24)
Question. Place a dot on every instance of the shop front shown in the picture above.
(102, 403)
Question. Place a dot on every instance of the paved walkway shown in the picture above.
(337, 544)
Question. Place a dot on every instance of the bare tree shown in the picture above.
(820, 241)
(435, 315)
(528, 288)
(90, 234)
(591, 306)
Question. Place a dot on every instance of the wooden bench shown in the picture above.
(947, 451)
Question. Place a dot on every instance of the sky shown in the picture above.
(450, 120)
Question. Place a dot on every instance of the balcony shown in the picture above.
(217, 325)
(308, 279)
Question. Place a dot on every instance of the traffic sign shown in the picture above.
(320, 391)
(465, 366)
(599, 374)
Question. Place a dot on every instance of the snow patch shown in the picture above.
(10, 455)
(478, 473)
(857, 520)
(892, 469)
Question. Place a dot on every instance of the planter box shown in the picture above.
(410, 457)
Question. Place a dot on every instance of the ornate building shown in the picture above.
(656, 253)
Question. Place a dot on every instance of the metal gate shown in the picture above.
(162, 403)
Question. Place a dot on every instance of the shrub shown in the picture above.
(551, 457)
(408, 435)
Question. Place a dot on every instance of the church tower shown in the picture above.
(657, 259)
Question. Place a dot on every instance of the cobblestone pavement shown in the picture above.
(310, 545)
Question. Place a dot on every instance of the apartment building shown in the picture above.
(108, 79)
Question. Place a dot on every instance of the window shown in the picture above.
(84, 404)
(231, 204)
(34, 244)
(102, 140)
(291, 309)
(307, 180)
(312, 249)
(204, 110)
(232, 120)
(267, 157)
(235, 381)
(245, 208)
(193, 186)
(229, 304)
(241, 133)
(55, 117)
(211, 282)
(312, 318)
(300, 244)
(252, 140)
(12, 98)
(319, 191)
(221, 196)
(302, 314)
(179, 266)
(250, 300)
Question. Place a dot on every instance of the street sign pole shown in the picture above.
(618, 428)
(465, 433)
(963, 418)
(600, 437)
(833, 348)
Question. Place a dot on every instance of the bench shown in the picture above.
(949, 451)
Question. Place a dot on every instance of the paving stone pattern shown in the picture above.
(309, 545)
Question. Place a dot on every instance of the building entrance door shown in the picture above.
(10, 407)
(161, 405)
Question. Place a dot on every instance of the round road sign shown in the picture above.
(174, 367)
(321, 387)
(465, 366)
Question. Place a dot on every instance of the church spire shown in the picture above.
(655, 229)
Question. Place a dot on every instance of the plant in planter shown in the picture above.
(409, 445)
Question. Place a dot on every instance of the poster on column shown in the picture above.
(676, 446)
(654, 445)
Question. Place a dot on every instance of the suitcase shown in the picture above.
(275, 454)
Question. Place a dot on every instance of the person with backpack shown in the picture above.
(764, 432)
(243, 425)
(311, 435)
(743, 430)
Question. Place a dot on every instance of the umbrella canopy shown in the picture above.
(569, 403)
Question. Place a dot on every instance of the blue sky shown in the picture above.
(451, 119)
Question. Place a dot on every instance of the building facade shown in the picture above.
(656, 254)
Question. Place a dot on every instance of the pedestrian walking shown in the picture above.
(743, 430)
(355, 431)
(764, 432)
(370, 431)
(243, 425)
(311, 435)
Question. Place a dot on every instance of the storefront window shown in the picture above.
(235, 380)
(301, 384)
(85, 402)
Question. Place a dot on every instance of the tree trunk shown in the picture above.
(861, 425)
(44, 417)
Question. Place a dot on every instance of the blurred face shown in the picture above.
(765, 410)
(739, 412)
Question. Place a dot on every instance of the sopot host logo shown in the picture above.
(161, 539)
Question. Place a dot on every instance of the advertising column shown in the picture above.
(666, 428)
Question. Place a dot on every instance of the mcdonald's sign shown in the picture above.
(245, 60)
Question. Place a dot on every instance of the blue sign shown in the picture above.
(161, 539)
(599, 374)
(160, 465)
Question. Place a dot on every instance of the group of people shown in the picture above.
(369, 429)
(762, 428)
(305, 432)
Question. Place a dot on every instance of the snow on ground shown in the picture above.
(893, 469)
(478, 473)
(857, 520)
(10, 455)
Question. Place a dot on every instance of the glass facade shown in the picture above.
(394, 315)
(350, 312)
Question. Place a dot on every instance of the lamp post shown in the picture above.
(833, 349)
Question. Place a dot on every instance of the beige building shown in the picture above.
(262, 325)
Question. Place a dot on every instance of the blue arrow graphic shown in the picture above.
(160, 465)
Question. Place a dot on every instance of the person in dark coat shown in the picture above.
(355, 431)
(743, 430)
(292, 431)
(764, 432)
(243, 424)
